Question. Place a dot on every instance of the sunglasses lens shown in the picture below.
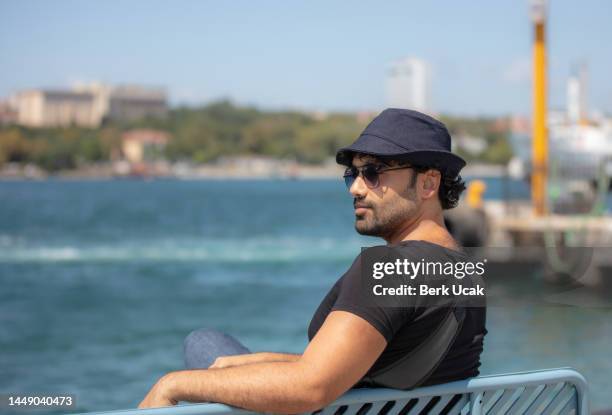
(370, 174)
(349, 180)
(350, 175)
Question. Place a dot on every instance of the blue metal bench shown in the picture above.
(552, 391)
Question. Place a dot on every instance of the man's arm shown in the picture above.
(250, 358)
(343, 350)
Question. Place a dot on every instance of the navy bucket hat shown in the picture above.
(407, 135)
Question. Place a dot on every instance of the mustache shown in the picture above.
(361, 204)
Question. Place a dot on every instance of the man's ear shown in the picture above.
(431, 181)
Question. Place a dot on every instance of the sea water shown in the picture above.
(102, 280)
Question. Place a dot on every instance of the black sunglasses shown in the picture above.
(370, 174)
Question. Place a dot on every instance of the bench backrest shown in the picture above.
(553, 391)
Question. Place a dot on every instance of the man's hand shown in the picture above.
(159, 395)
(228, 361)
(340, 354)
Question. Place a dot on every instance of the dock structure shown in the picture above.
(514, 224)
(524, 248)
(557, 248)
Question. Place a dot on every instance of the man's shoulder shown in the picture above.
(423, 247)
(413, 248)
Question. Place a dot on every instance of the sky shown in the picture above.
(308, 55)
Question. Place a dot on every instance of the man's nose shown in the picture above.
(358, 189)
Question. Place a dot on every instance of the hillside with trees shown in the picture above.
(202, 135)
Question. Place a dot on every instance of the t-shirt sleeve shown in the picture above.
(387, 318)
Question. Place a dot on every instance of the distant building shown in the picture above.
(514, 124)
(7, 114)
(576, 96)
(408, 85)
(471, 144)
(126, 102)
(46, 108)
(87, 105)
(141, 146)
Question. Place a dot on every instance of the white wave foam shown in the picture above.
(266, 249)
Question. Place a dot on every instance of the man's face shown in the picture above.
(381, 210)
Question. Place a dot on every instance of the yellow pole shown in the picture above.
(540, 136)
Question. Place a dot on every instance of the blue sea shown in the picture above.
(102, 280)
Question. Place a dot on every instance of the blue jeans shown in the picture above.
(202, 346)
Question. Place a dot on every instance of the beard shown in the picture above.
(384, 219)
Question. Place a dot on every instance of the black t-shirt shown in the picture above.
(406, 327)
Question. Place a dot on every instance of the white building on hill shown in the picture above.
(87, 105)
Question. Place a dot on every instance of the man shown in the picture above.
(402, 176)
